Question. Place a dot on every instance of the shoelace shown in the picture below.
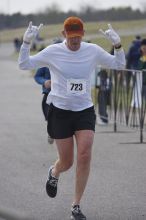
(53, 181)
(76, 209)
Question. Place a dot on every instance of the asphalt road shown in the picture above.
(116, 188)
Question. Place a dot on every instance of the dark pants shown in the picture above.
(102, 105)
(45, 106)
(144, 92)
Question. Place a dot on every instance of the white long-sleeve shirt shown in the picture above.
(71, 71)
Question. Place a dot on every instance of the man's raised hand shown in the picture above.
(111, 35)
(31, 32)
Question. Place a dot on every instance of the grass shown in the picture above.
(91, 28)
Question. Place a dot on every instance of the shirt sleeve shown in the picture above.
(116, 61)
(27, 62)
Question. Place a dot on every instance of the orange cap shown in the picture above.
(73, 27)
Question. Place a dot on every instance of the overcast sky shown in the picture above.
(32, 6)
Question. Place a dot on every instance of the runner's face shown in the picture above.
(73, 43)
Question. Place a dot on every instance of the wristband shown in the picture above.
(118, 47)
(26, 42)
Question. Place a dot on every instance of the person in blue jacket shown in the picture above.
(42, 77)
(133, 54)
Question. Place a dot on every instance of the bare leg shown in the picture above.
(65, 149)
(84, 139)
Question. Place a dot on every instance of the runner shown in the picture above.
(71, 64)
(42, 77)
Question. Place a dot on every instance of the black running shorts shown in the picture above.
(63, 123)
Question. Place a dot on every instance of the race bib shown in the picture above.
(76, 86)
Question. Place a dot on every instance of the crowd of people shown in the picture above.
(135, 60)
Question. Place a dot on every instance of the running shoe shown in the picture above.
(77, 214)
(51, 184)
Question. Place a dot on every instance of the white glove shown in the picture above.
(31, 32)
(111, 35)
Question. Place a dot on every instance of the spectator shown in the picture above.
(142, 66)
(104, 94)
(139, 89)
(17, 44)
(133, 54)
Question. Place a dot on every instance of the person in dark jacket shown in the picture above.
(139, 93)
(43, 78)
(142, 66)
(104, 85)
(133, 54)
(132, 58)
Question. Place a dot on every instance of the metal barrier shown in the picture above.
(127, 98)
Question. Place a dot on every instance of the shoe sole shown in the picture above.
(72, 218)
